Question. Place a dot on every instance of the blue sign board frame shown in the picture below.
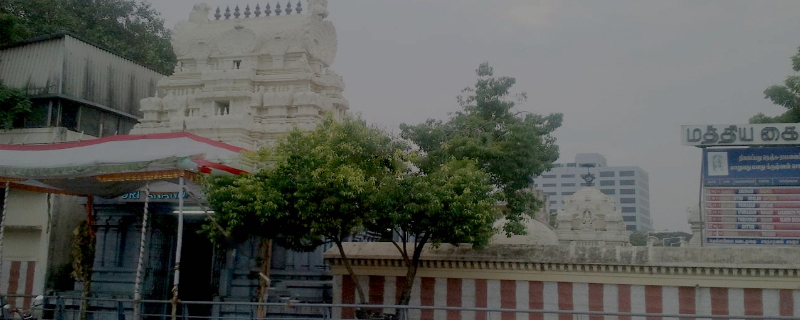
(758, 168)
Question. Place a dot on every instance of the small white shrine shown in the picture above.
(246, 76)
(590, 218)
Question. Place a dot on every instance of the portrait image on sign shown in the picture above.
(717, 164)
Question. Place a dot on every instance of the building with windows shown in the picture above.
(628, 186)
(78, 91)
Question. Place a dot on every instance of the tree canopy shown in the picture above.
(13, 104)
(130, 28)
(669, 238)
(512, 146)
(347, 177)
(454, 203)
(786, 95)
(312, 187)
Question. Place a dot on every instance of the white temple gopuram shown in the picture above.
(246, 77)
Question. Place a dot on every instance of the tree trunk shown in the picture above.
(87, 288)
(361, 296)
(264, 280)
(405, 295)
(411, 274)
(87, 278)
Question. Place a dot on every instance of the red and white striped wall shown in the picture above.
(538, 295)
(18, 279)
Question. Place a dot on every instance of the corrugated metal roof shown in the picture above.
(71, 67)
(35, 67)
(62, 35)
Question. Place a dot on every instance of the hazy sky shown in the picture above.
(625, 73)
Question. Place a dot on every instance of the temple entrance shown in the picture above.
(196, 263)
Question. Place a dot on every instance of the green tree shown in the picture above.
(13, 104)
(130, 28)
(10, 30)
(454, 203)
(786, 95)
(312, 187)
(638, 238)
(512, 146)
(246, 207)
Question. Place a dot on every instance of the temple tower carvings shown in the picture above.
(248, 77)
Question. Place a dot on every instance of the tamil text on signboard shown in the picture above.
(752, 195)
(740, 134)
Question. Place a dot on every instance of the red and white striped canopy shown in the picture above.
(115, 165)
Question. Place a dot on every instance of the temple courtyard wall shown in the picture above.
(657, 280)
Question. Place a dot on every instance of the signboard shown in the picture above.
(139, 195)
(751, 196)
(716, 135)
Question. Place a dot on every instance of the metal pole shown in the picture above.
(177, 278)
(3, 222)
(137, 290)
(702, 196)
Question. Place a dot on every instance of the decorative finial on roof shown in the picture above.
(258, 11)
(278, 9)
(289, 7)
(318, 8)
(588, 177)
(217, 15)
(268, 10)
(236, 13)
(247, 11)
(227, 12)
(299, 7)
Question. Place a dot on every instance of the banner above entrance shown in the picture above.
(717, 135)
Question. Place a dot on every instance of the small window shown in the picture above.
(552, 203)
(627, 200)
(222, 108)
(627, 191)
(607, 182)
(630, 228)
(110, 124)
(69, 116)
(237, 64)
(627, 182)
(609, 192)
(629, 218)
(572, 165)
(548, 176)
(551, 193)
(629, 173)
(629, 209)
(568, 193)
(89, 122)
(548, 185)
(568, 176)
(567, 184)
(606, 174)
